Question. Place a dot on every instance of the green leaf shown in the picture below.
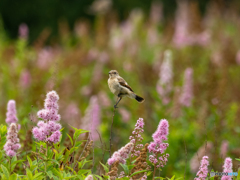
(82, 163)
(99, 177)
(13, 177)
(55, 161)
(5, 171)
(70, 139)
(125, 168)
(130, 167)
(83, 171)
(138, 172)
(15, 163)
(29, 174)
(173, 177)
(238, 177)
(37, 175)
(29, 161)
(105, 167)
(57, 173)
(73, 149)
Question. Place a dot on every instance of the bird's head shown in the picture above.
(113, 73)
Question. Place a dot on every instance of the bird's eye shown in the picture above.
(115, 73)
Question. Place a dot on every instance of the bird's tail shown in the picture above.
(139, 99)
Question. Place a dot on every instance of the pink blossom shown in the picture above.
(12, 144)
(224, 148)
(91, 120)
(25, 79)
(23, 31)
(164, 85)
(238, 57)
(136, 137)
(121, 155)
(89, 177)
(227, 168)
(45, 58)
(49, 129)
(11, 112)
(158, 147)
(187, 89)
(126, 115)
(203, 169)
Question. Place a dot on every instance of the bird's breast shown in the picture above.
(114, 86)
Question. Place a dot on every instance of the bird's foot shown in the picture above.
(115, 106)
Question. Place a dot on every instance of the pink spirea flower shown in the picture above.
(25, 79)
(91, 120)
(23, 31)
(164, 85)
(227, 168)
(121, 155)
(48, 130)
(89, 177)
(238, 57)
(203, 169)
(12, 144)
(187, 89)
(45, 58)
(11, 112)
(158, 147)
(136, 137)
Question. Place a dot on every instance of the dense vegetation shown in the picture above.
(187, 70)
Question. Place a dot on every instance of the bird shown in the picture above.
(119, 87)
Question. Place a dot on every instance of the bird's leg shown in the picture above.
(119, 99)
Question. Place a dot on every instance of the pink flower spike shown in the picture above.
(203, 169)
(227, 168)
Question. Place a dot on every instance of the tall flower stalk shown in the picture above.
(12, 113)
(203, 169)
(227, 168)
(187, 90)
(12, 144)
(48, 130)
(164, 85)
(158, 147)
(121, 155)
(137, 138)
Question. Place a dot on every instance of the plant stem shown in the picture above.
(46, 161)
(154, 171)
(10, 165)
(110, 146)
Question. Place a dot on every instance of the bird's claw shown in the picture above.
(115, 106)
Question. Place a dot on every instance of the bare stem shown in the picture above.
(154, 171)
(186, 159)
(111, 134)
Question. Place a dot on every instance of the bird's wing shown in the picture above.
(122, 82)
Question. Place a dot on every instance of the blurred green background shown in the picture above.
(70, 46)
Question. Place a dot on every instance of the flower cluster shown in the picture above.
(187, 90)
(12, 144)
(11, 112)
(48, 130)
(164, 85)
(92, 120)
(136, 137)
(227, 168)
(121, 155)
(158, 147)
(203, 170)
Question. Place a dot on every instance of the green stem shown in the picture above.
(10, 165)
(46, 160)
